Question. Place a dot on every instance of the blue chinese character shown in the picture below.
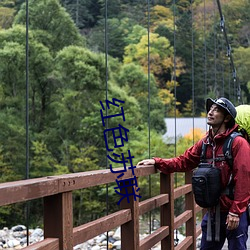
(131, 182)
(124, 163)
(116, 137)
(113, 103)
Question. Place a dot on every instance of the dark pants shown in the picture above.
(237, 238)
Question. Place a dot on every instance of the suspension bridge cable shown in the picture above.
(174, 71)
(106, 92)
(215, 52)
(175, 95)
(192, 73)
(205, 49)
(77, 13)
(229, 52)
(149, 121)
(27, 207)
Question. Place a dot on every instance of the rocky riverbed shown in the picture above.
(16, 238)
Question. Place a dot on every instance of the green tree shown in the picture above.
(161, 16)
(12, 108)
(84, 13)
(117, 31)
(136, 82)
(40, 60)
(161, 57)
(53, 25)
(42, 162)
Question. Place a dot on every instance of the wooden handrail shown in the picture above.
(24, 190)
(58, 210)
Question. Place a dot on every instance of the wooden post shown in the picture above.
(190, 205)
(58, 219)
(167, 210)
(130, 230)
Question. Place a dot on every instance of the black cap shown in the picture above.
(223, 103)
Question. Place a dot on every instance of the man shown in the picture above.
(221, 115)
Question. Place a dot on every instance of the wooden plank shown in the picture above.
(58, 219)
(154, 238)
(24, 190)
(90, 230)
(185, 244)
(98, 177)
(130, 230)
(152, 203)
(182, 218)
(46, 244)
(178, 192)
(190, 205)
(167, 210)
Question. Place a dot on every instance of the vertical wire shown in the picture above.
(27, 89)
(106, 83)
(77, 13)
(149, 121)
(174, 76)
(174, 71)
(205, 50)
(193, 94)
(175, 95)
(215, 51)
(27, 208)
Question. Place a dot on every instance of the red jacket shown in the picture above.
(241, 167)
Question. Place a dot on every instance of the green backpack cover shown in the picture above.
(243, 119)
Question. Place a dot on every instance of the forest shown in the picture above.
(161, 58)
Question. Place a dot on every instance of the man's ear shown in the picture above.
(228, 118)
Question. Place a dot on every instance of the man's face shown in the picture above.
(215, 116)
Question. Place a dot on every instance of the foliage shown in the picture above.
(161, 16)
(144, 89)
(151, 64)
(53, 25)
(242, 63)
(6, 17)
(160, 53)
(84, 13)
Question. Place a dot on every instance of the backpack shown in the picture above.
(243, 120)
(206, 179)
(206, 185)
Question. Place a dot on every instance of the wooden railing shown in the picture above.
(59, 232)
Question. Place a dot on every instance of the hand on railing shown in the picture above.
(146, 162)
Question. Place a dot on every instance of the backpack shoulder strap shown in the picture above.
(203, 152)
(227, 148)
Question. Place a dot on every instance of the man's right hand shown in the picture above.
(146, 162)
